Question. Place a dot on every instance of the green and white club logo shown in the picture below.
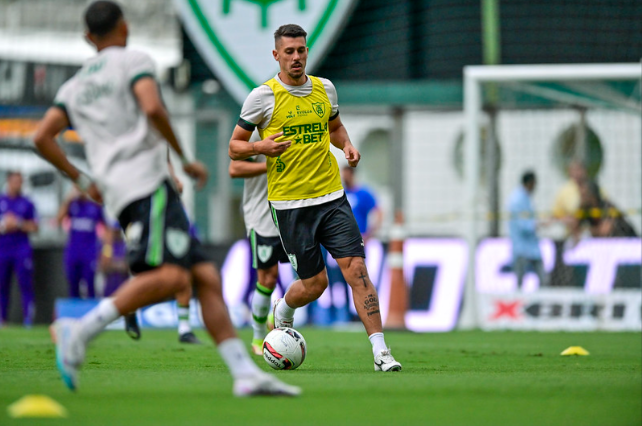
(235, 37)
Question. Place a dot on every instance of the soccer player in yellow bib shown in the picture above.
(297, 116)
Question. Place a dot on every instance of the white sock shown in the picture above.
(378, 343)
(260, 310)
(237, 359)
(283, 310)
(183, 319)
(97, 319)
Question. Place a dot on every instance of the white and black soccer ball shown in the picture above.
(284, 349)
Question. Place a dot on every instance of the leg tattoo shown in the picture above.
(371, 305)
(363, 278)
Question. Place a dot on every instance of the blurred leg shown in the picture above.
(519, 267)
(215, 316)
(6, 268)
(88, 273)
(72, 270)
(24, 271)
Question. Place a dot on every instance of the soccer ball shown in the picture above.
(284, 349)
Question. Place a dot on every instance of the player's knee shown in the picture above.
(269, 280)
(355, 269)
(317, 285)
(176, 277)
(206, 278)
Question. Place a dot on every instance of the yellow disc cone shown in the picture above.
(575, 350)
(36, 406)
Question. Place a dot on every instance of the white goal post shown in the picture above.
(474, 79)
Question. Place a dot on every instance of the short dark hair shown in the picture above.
(102, 16)
(528, 177)
(289, 30)
(11, 173)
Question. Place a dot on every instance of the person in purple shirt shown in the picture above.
(81, 253)
(17, 221)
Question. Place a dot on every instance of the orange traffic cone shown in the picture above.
(396, 319)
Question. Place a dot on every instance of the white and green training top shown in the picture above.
(256, 210)
(127, 157)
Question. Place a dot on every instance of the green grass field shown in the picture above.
(462, 378)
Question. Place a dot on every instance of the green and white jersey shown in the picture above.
(127, 157)
(256, 210)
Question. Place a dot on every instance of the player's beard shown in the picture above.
(297, 74)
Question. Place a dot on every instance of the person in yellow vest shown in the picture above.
(297, 116)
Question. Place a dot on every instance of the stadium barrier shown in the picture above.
(604, 295)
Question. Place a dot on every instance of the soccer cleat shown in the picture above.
(279, 322)
(70, 350)
(189, 337)
(384, 361)
(263, 384)
(257, 347)
(131, 326)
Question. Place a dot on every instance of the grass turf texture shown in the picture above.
(462, 378)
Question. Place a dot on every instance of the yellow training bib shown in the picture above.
(307, 169)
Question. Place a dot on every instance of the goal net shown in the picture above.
(553, 120)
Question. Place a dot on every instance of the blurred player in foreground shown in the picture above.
(298, 117)
(17, 221)
(267, 250)
(114, 104)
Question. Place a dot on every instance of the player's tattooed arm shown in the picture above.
(371, 304)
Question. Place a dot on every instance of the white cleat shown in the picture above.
(263, 384)
(279, 322)
(384, 361)
(70, 351)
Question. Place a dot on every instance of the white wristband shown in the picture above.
(83, 182)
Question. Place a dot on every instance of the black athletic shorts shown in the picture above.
(157, 231)
(266, 251)
(305, 229)
(197, 253)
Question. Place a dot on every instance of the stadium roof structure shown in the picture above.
(66, 48)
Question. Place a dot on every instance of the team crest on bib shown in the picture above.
(235, 37)
(319, 108)
(177, 242)
(293, 262)
(264, 253)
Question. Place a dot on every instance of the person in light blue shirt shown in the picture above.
(523, 231)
